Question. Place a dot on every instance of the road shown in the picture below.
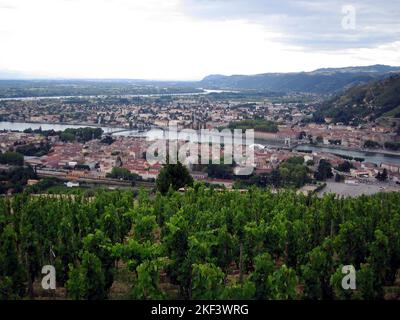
(351, 190)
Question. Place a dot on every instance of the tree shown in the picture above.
(207, 281)
(100, 246)
(123, 174)
(382, 176)
(86, 281)
(368, 286)
(302, 135)
(316, 273)
(67, 136)
(236, 291)
(393, 145)
(344, 166)
(338, 177)
(283, 284)
(263, 268)
(292, 172)
(173, 176)
(12, 158)
(12, 275)
(147, 282)
(324, 170)
(81, 134)
(310, 163)
(295, 160)
(369, 144)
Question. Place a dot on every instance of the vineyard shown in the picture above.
(200, 244)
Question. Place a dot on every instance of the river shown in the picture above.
(204, 92)
(369, 156)
(21, 126)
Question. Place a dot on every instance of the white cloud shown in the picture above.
(152, 39)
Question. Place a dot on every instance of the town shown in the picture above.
(282, 131)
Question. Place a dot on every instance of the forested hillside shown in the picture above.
(365, 102)
(201, 244)
(321, 81)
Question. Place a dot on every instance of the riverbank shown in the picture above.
(80, 124)
(369, 156)
(196, 91)
(21, 126)
(379, 151)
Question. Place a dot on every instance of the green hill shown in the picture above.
(321, 81)
(364, 102)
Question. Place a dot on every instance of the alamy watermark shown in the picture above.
(206, 146)
(49, 280)
(349, 280)
(349, 19)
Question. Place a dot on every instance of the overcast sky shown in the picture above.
(189, 39)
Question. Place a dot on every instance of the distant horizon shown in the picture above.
(19, 76)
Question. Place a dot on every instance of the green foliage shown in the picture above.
(382, 176)
(148, 278)
(34, 150)
(12, 276)
(43, 185)
(81, 134)
(207, 281)
(329, 80)
(369, 144)
(344, 166)
(395, 146)
(324, 170)
(338, 177)
(366, 101)
(123, 174)
(173, 176)
(15, 178)
(283, 284)
(206, 244)
(83, 89)
(293, 172)
(12, 158)
(317, 271)
(218, 171)
(256, 124)
(235, 291)
(290, 173)
(263, 267)
(295, 160)
(87, 281)
(310, 162)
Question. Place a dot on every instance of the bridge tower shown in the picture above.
(287, 142)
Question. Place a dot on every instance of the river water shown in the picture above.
(204, 92)
(21, 126)
(369, 156)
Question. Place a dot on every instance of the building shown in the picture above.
(71, 184)
(395, 168)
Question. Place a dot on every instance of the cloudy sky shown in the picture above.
(189, 39)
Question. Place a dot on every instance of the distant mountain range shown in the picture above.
(364, 102)
(323, 81)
